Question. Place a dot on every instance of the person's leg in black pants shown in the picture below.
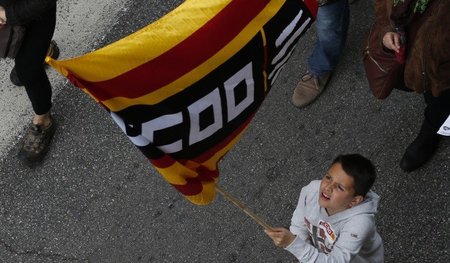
(29, 66)
(437, 110)
(427, 141)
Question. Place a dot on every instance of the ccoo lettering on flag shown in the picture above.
(185, 88)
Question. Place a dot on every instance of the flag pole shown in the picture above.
(241, 206)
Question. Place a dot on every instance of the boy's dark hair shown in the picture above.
(360, 168)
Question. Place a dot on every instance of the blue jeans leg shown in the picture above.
(331, 24)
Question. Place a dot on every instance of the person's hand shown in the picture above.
(281, 236)
(391, 40)
(2, 16)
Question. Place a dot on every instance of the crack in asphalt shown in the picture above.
(53, 256)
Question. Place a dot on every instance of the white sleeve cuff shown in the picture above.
(297, 247)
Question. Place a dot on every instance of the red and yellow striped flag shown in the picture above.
(185, 88)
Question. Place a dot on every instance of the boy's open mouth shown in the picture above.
(325, 196)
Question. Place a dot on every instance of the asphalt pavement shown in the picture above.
(95, 198)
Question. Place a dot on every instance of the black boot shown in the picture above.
(421, 149)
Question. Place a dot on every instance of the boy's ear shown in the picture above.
(356, 200)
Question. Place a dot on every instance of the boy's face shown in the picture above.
(336, 191)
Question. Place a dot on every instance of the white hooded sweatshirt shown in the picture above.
(347, 236)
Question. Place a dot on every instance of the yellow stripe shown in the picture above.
(120, 103)
(263, 33)
(145, 44)
(174, 173)
(206, 196)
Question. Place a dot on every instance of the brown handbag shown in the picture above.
(11, 38)
(383, 71)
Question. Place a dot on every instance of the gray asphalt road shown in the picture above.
(97, 199)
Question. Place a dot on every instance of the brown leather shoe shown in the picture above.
(309, 88)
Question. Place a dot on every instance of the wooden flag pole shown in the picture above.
(241, 206)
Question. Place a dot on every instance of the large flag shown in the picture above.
(185, 88)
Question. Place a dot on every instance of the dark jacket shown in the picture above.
(23, 12)
(428, 50)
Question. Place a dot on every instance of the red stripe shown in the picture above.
(193, 51)
(206, 175)
(163, 162)
(312, 6)
(194, 185)
(82, 85)
(191, 188)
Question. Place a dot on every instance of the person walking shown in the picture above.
(39, 18)
(419, 30)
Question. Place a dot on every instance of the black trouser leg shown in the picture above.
(29, 62)
(427, 141)
(437, 109)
